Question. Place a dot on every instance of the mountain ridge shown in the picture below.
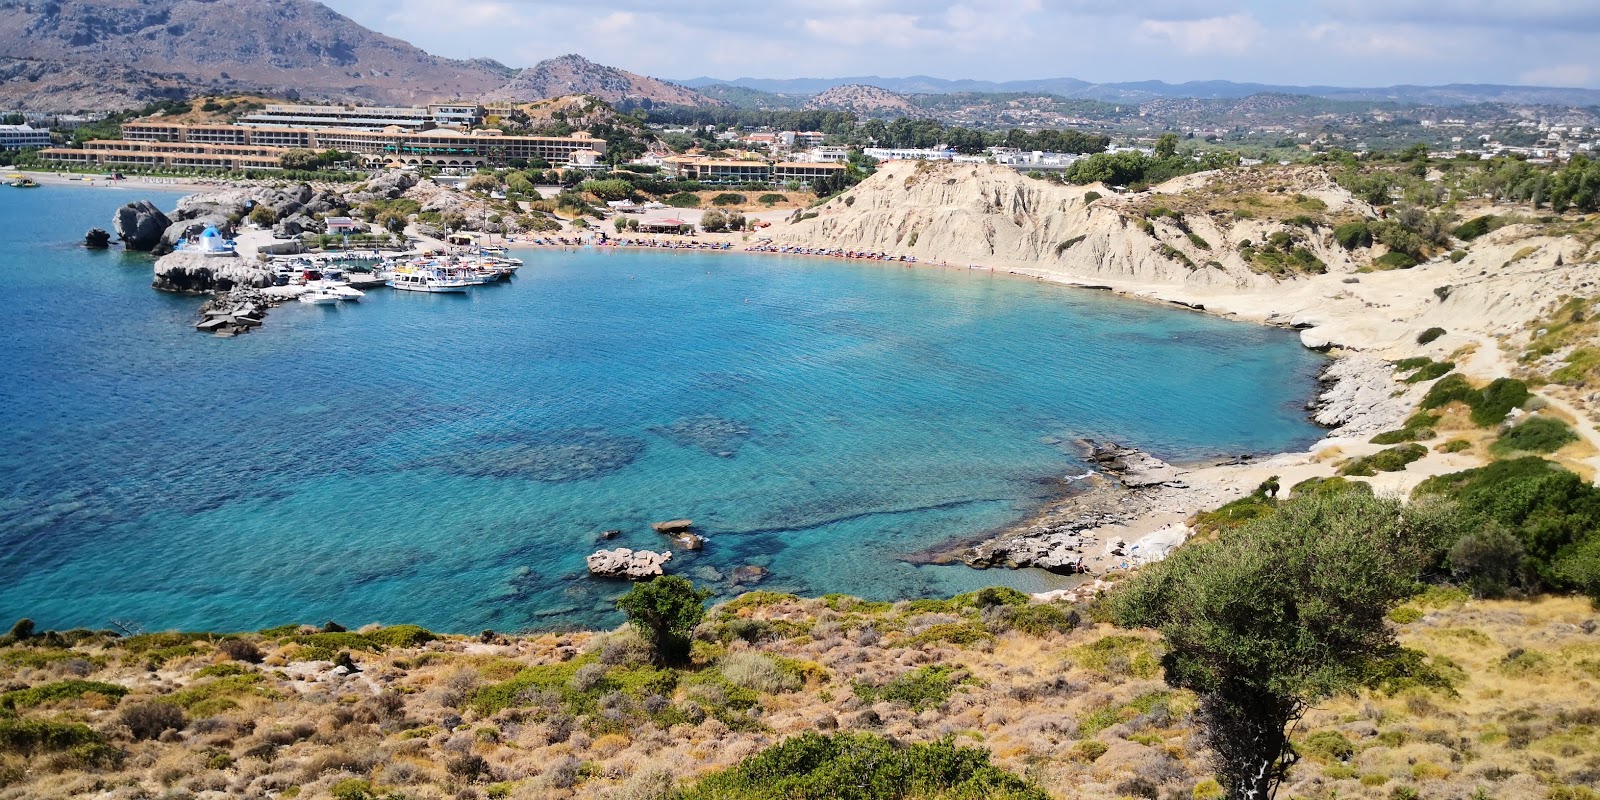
(1131, 91)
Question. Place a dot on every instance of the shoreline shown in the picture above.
(1104, 526)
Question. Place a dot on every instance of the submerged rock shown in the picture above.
(139, 225)
(551, 457)
(625, 563)
(672, 526)
(715, 435)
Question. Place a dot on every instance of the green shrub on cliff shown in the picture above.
(1489, 405)
(1393, 459)
(1537, 435)
(1554, 512)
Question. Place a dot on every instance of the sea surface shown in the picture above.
(450, 460)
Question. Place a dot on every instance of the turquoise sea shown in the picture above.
(449, 460)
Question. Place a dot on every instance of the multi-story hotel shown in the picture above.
(368, 118)
(805, 171)
(151, 143)
(16, 137)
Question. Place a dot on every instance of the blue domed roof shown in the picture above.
(211, 232)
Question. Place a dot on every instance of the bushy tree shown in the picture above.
(664, 611)
(1278, 614)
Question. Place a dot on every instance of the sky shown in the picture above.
(1304, 42)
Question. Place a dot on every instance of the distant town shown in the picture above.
(740, 146)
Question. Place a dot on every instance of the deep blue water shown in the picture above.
(449, 460)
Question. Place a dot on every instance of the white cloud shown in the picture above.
(1233, 35)
(1565, 75)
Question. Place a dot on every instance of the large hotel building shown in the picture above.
(381, 136)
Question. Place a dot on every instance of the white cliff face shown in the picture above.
(990, 216)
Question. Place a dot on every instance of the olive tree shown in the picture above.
(1280, 613)
(665, 611)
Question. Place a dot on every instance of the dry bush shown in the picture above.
(150, 720)
(756, 671)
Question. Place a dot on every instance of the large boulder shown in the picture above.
(388, 186)
(140, 225)
(193, 273)
(97, 239)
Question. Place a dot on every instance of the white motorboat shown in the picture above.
(319, 297)
(345, 291)
(429, 280)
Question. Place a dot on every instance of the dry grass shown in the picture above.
(1084, 713)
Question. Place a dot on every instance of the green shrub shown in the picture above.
(31, 736)
(1235, 513)
(1535, 435)
(1327, 747)
(1488, 560)
(1473, 228)
(1196, 240)
(1430, 372)
(960, 634)
(1457, 256)
(1406, 669)
(863, 766)
(770, 199)
(1352, 235)
(1393, 459)
(1555, 513)
(59, 691)
(1330, 485)
(728, 199)
(401, 636)
(1498, 399)
(1453, 388)
(1489, 405)
(1090, 197)
(1395, 259)
(991, 596)
(683, 200)
(1455, 446)
(1430, 335)
(920, 688)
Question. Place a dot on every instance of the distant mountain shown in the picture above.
(65, 55)
(574, 74)
(861, 99)
(745, 97)
(1453, 94)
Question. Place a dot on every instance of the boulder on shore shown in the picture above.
(625, 563)
(193, 272)
(139, 225)
(97, 239)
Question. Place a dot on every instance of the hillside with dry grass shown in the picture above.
(1499, 701)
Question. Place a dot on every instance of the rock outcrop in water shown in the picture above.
(625, 563)
(97, 239)
(193, 273)
(140, 225)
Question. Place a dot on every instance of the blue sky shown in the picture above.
(1332, 42)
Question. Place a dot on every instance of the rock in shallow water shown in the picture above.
(625, 563)
(140, 225)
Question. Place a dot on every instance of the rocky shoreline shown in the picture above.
(1135, 507)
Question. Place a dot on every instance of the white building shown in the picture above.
(909, 153)
(17, 137)
(824, 155)
(463, 116)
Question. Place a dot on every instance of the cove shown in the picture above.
(449, 460)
